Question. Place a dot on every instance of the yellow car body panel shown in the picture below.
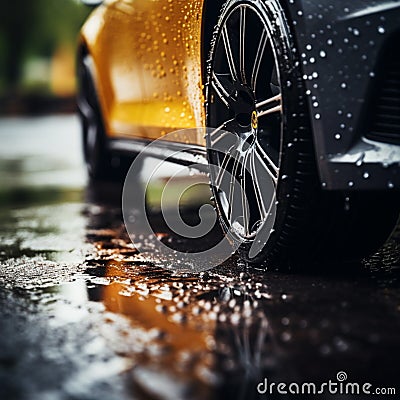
(147, 66)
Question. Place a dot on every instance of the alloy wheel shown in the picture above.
(245, 112)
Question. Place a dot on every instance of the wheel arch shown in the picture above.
(84, 49)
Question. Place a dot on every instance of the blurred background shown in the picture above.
(37, 48)
(41, 159)
(40, 140)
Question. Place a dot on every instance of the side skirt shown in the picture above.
(180, 153)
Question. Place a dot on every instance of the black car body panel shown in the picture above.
(348, 52)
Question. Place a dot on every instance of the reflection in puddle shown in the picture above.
(209, 335)
(174, 335)
(172, 320)
(175, 319)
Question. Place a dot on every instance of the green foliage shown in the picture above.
(35, 28)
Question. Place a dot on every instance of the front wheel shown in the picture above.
(264, 176)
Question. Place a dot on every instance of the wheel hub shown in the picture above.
(245, 115)
(254, 120)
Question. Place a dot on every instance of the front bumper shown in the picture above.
(341, 48)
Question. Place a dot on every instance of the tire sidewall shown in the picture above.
(96, 154)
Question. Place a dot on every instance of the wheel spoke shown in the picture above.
(229, 54)
(233, 183)
(242, 36)
(257, 187)
(222, 89)
(222, 169)
(269, 106)
(259, 57)
(267, 163)
(219, 133)
(245, 203)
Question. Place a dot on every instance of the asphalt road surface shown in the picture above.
(83, 315)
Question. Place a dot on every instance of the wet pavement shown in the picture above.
(83, 315)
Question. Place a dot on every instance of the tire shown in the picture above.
(260, 144)
(96, 154)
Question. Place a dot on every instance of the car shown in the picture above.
(309, 89)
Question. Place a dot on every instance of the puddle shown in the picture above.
(84, 315)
